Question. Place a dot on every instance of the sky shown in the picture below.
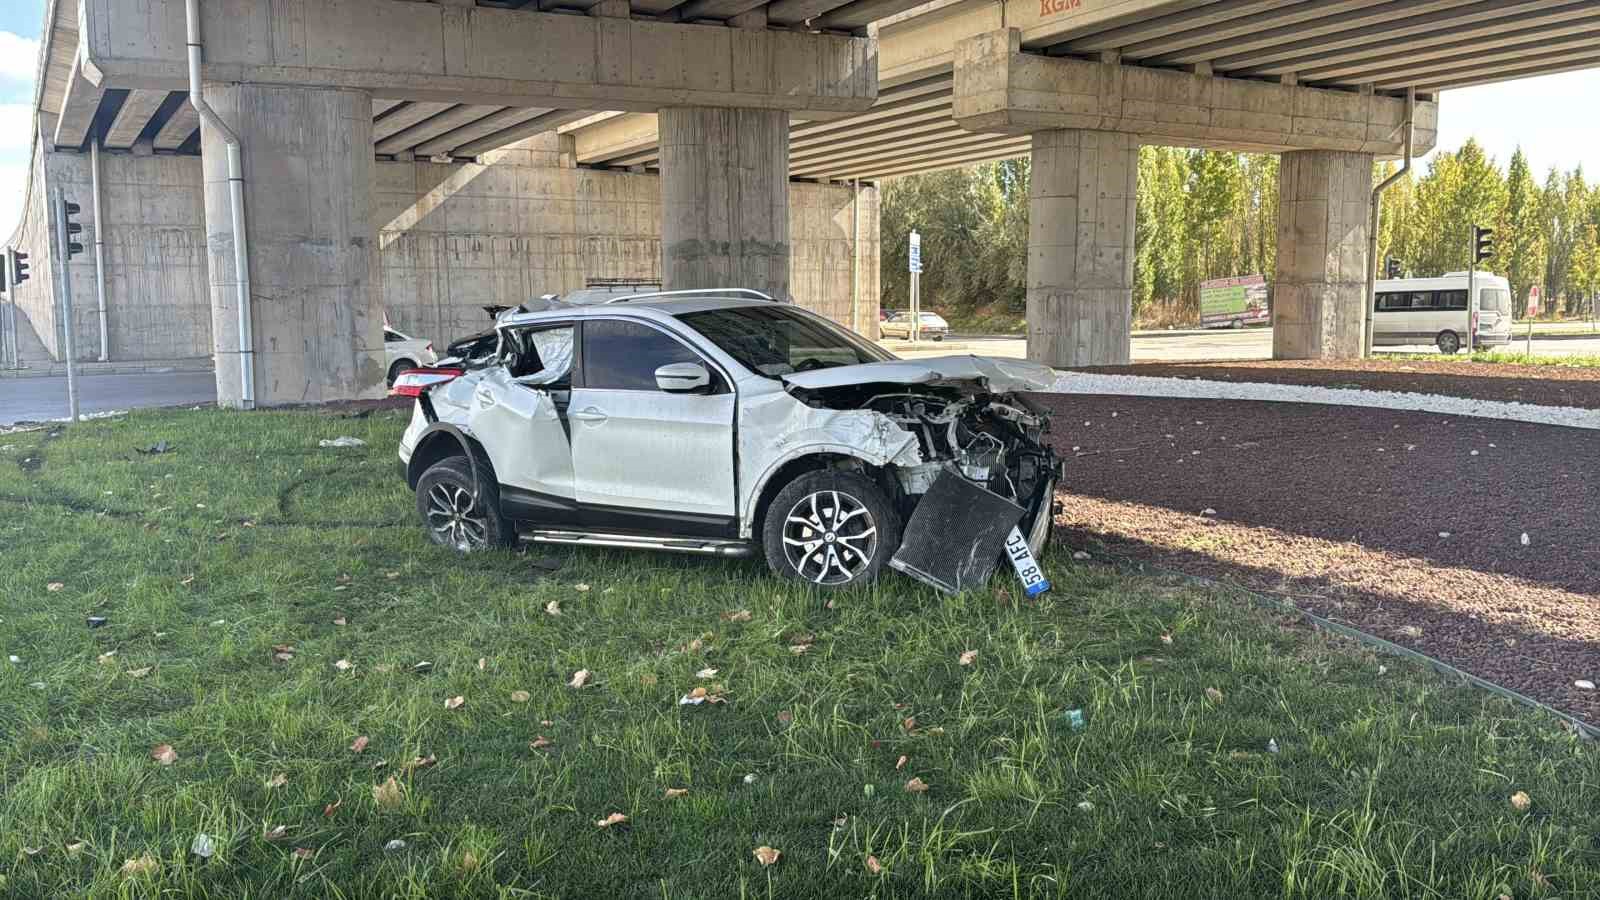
(1551, 118)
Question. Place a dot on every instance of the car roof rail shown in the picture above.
(695, 292)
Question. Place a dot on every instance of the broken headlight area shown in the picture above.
(982, 492)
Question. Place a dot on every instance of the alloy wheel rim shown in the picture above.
(829, 537)
(452, 520)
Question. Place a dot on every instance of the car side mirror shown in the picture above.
(681, 378)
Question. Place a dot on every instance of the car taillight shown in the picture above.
(412, 382)
(430, 347)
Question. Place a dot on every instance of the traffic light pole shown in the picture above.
(63, 258)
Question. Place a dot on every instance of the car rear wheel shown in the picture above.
(458, 512)
(399, 366)
(830, 528)
(1448, 343)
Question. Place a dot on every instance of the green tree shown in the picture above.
(1519, 252)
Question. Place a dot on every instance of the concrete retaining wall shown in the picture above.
(452, 238)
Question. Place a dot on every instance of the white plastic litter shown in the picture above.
(345, 441)
(1272, 745)
(1583, 684)
(203, 846)
(1525, 539)
(395, 845)
(1201, 389)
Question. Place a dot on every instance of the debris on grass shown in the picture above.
(738, 615)
(1074, 719)
(137, 866)
(156, 449)
(277, 781)
(540, 743)
(553, 607)
(331, 808)
(54, 586)
(968, 658)
(700, 695)
(203, 846)
(1520, 801)
(766, 855)
(520, 696)
(1085, 806)
(580, 678)
(580, 587)
(916, 786)
(277, 833)
(750, 778)
(95, 621)
(394, 846)
(1272, 745)
(304, 853)
(455, 702)
(615, 818)
(164, 754)
(342, 441)
(676, 792)
(359, 744)
(707, 672)
(140, 672)
(900, 763)
(344, 665)
(1583, 684)
(1214, 695)
(873, 865)
(389, 795)
(1411, 631)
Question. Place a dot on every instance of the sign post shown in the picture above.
(1533, 313)
(914, 263)
(64, 257)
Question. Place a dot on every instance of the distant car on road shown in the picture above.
(402, 352)
(898, 324)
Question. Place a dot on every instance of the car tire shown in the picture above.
(452, 517)
(806, 539)
(938, 337)
(399, 366)
(1449, 343)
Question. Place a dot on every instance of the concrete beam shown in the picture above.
(940, 163)
(443, 123)
(482, 127)
(1363, 61)
(999, 89)
(180, 126)
(550, 121)
(138, 108)
(616, 137)
(407, 115)
(78, 107)
(481, 55)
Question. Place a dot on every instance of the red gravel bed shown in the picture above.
(1543, 385)
(1344, 509)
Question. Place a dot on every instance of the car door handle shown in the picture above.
(589, 414)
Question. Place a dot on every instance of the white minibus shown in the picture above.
(1435, 311)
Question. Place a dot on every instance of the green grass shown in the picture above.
(1387, 785)
(1507, 357)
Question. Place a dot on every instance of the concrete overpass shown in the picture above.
(369, 129)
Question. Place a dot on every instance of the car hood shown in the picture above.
(989, 373)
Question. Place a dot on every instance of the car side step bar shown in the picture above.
(704, 546)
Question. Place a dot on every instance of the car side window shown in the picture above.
(619, 355)
(539, 355)
(390, 337)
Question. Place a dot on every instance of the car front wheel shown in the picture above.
(458, 512)
(830, 528)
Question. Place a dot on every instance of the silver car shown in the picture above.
(723, 423)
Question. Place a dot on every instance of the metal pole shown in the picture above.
(855, 255)
(1472, 288)
(64, 258)
(11, 308)
(99, 249)
(1368, 317)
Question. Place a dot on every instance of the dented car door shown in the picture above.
(516, 410)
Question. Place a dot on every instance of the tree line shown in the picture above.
(1211, 214)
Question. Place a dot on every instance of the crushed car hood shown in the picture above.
(988, 373)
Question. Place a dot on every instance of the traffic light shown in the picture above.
(1391, 267)
(19, 267)
(71, 209)
(1482, 243)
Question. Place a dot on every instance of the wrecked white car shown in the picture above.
(713, 423)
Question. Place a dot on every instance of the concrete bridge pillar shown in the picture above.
(315, 315)
(1081, 208)
(1319, 290)
(725, 198)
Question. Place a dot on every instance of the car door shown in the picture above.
(643, 458)
(517, 410)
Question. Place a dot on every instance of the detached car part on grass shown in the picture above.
(718, 423)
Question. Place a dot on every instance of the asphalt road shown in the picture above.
(39, 399)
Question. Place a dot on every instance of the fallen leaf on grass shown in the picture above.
(706, 673)
(615, 818)
(540, 742)
(187, 581)
(391, 575)
(579, 678)
(700, 695)
(1214, 695)
(483, 663)
(916, 786)
(394, 846)
(520, 696)
(785, 717)
(909, 725)
(54, 586)
(283, 652)
(277, 781)
(421, 762)
(275, 834)
(900, 763)
(139, 673)
(766, 855)
(304, 853)
(359, 744)
(344, 665)
(1166, 639)
(331, 808)
(340, 621)
(968, 658)
(873, 865)
(580, 588)
(106, 657)
(553, 607)
(676, 792)
(740, 615)
(454, 702)
(1520, 801)
(76, 847)
(139, 865)
(389, 795)
(798, 649)
(164, 754)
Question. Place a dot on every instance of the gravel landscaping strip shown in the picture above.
(1406, 525)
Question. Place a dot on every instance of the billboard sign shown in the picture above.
(1234, 302)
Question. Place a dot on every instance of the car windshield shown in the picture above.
(775, 341)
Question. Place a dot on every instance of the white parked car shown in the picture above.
(401, 353)
(898, 324)
(719, 423)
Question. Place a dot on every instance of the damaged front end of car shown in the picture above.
(983, 486)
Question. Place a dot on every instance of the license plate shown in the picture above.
(1028, 572)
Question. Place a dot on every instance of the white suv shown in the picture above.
(724, 423)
